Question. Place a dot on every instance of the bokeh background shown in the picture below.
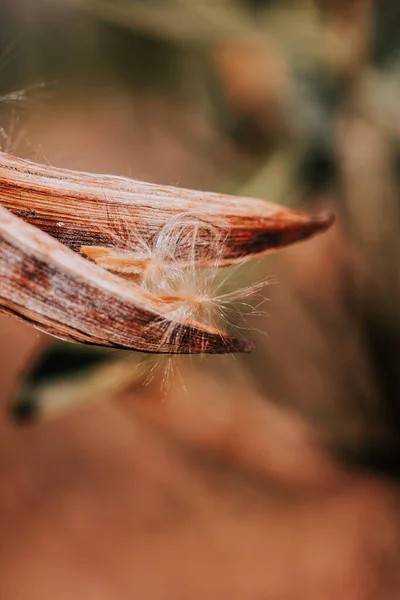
(270, 476)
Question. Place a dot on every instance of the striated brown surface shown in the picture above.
(82, 209)
(65, 295)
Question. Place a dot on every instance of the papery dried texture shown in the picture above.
(75, 208)
(59, 292)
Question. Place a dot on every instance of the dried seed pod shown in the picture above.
(56, 290)
(137, 230)
(79, 209)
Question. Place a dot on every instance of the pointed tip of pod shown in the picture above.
(307, 227)
(228, 344)
(271, 234)
(222, 343)
(322, 221)
(196, 339)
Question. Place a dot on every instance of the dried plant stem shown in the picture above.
(59, 396)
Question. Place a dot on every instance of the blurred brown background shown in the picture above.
(273, 476)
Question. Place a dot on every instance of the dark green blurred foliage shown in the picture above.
(387, 23)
